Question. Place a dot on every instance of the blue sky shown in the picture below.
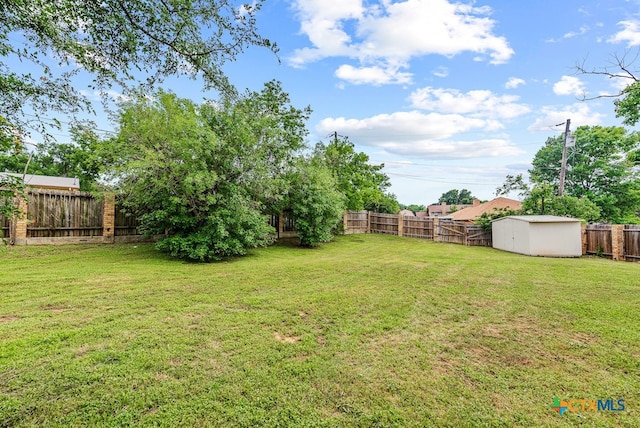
(446, 94)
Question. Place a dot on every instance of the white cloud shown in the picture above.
(415, 27)
(441, 72)
(391, 33)
(323, 23)
(630, 33)
(569, 85)
(477, 103)
(423, 135)
(514, 82)
(372, 75)
(579, 113)
(620, 84)
(436, 149)
(580, 32)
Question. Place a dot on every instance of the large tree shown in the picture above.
(363, 184)
(46, 45)
(542, 199)
(206, 174)
(598, 168)
(119, 43)
(456, 197)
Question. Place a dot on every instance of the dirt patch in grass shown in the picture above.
(286, 339)
(9, 318)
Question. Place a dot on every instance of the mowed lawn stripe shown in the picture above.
(369, 330)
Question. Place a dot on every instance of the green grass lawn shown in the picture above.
(366, 331)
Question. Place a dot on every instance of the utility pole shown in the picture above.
(563, 168)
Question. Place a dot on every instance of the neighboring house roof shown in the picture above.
(47, 182)
(441, 210)
(437, 209)
(497, 204)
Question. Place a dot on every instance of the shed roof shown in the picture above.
(540, 219)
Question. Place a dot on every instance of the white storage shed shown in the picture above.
(538, 235)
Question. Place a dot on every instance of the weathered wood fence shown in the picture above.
(4, 227)
(54, 217)
(284, 225)
(615, 241)
(437, 229)
(618, 242)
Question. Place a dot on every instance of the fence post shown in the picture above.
(583, 230)
(436, 220)
(617, 250)
(18, 225)
(368, 221)
(400, 224)
(109, 218)
(345, 221)
(280, 224)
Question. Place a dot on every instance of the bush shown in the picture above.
(230, 229)
(316, 204)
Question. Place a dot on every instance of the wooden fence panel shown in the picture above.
(478, 237)
(125, 223)
(383, 223)
(4, 227)
(452, 231)
(417, 227)
(54, 213)
(273, 219)
(357, 222)
(288, 222)
(631, 241)
(599, 239)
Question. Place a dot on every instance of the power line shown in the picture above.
(414, 177)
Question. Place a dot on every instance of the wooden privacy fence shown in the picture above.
(616, 241)
(418, 227)
(57, 214)
(619, 242)
(54, 216)
(441, 230)
(631, 242)
(284, 224)
(4, 227)
(356, 222)
(598, 239)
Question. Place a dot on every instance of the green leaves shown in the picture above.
(205, 175)
(121, 44)
(456, 197)
(316, 203)
(600, 168)
(628, 105)
(11, 186)
(363, 184)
